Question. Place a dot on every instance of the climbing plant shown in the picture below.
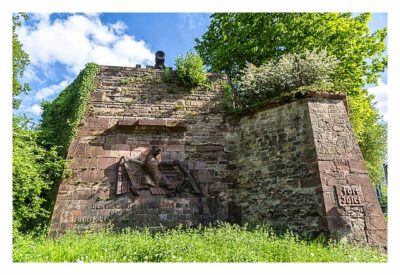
(61, 117)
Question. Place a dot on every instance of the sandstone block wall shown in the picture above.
(298, 166)
(294, 165)
(273, 156)
(351, 207)
(131, 110)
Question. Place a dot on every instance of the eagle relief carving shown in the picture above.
(154, 175)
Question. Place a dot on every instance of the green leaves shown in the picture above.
(20, 60)
(289, 72)
(61, 117)
(235, 39)
(34, 171)
(190, 70)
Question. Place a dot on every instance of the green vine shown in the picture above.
(61, 117)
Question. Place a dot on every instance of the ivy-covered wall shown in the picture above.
(60, 118)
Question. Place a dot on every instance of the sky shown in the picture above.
(60, 44)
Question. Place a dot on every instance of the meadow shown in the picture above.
(223, 243)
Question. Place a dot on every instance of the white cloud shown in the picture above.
(380, 92)
(79, 39)
(35, 109)
(30, 75)
(51, 90)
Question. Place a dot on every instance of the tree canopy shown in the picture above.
(234, 39)
(35, 169)
(20, 59)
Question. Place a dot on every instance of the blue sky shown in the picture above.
(59, 45)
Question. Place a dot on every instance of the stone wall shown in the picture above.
(272, 154)
(293, 164)
(132, 110)
(351, 208)
(297, 165)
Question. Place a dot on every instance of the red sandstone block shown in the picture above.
(83, 162)
(357, 166)
(326, 167)
(90, 175)
(154, 122)
(375, 222)
(80, 149)
(105, 162)
(98, 96)
(72, 147)
(176, 147)
(209, 148)
(204, 176)
(94, 151)
(328, 180)
(358, 180)
(127, 122)
(377, 237)
(96, 123)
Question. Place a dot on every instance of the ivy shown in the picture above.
(61, 117)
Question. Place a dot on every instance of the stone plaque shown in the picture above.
(350, 195)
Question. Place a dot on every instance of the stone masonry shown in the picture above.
(293, 164)
(132, 110)
(298, 166)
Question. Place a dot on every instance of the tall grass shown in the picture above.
(225, 243)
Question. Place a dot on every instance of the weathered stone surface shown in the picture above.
(127, 120)
(301, 160)
(342, 167)
(292, 164)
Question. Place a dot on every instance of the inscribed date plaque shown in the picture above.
(350, 195)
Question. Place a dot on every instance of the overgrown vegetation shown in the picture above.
(289, 72)
(190, 70)
(235, 39)
(34, 168)
(225, 243)
(60, 118)
(34, 171)
(227, 97)
(166, 75)
(20, 59)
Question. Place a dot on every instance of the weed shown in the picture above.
(224, 243)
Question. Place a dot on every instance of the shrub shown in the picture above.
(289, 72)
(227, 97)
(166, 75)
(34, 172)
(190, 70)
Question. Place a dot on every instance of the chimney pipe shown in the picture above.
(160, 59)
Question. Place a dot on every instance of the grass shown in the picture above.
(225, 243)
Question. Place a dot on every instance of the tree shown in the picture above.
(20, 60)
(234, 39)
(34, 171)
